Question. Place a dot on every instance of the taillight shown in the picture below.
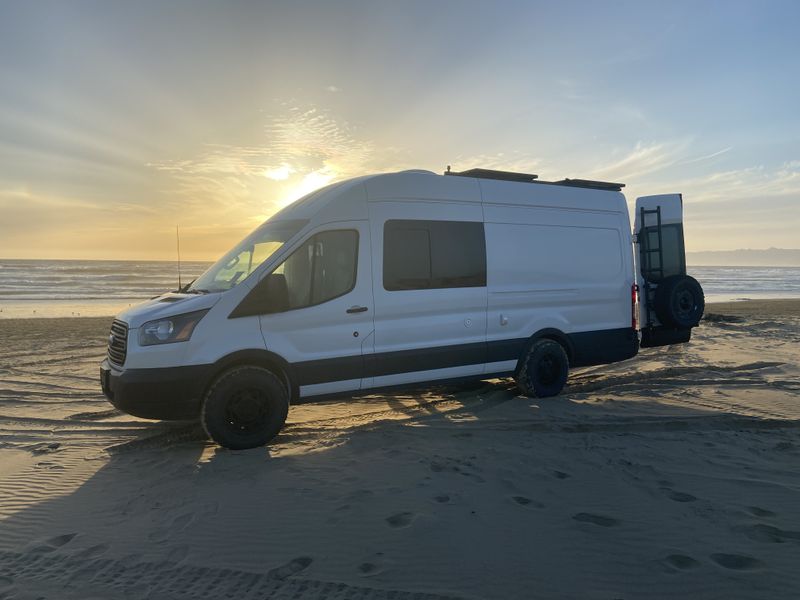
(634, 290)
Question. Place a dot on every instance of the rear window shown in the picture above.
(421, 255)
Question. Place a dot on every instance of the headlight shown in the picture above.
(170, 330)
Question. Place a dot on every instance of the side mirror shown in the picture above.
(275, 294)
(271, 295)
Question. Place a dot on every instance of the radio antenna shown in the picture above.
(178, 240)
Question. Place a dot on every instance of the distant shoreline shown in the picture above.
(746, 306)
(693, 259)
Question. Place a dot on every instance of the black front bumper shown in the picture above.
(170, 393)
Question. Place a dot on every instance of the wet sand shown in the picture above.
(672, 474)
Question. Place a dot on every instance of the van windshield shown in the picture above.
(245, 258)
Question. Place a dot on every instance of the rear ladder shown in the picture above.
(646, 251)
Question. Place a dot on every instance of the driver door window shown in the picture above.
(321, 269)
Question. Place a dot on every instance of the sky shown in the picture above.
(119, 121)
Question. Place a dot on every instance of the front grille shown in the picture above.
(118, 342)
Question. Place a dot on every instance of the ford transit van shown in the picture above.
(405, 278)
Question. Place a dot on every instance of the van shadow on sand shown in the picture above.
(317, 514)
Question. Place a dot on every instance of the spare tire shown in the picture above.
(680, 301)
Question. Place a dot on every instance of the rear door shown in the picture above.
(660, 254)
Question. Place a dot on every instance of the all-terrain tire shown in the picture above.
(680, 301)
(245, 407)
(544, 369)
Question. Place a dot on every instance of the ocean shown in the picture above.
(72, 288)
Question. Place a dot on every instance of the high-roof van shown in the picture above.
(404, 278)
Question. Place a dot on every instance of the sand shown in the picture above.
(674, 474)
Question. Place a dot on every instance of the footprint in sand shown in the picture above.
(561, 475)
(681, 561)
(372, 565)
(92, 551)
(666, 487)
(760, 512)
(768, 533)
(368, 569)
(293, 567)
(442, 498)
(680, 496)
(737, 562)
(595, 519)
(402, 519)
(525, 501)
(61, 540)
(54, 543)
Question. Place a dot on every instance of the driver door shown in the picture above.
(325, 324)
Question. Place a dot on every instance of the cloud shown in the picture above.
(644, 159)
(707, 156)
(516, 161)
(301, 145)
(750, 182)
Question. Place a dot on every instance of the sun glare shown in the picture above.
(310, 182)
(279, 173)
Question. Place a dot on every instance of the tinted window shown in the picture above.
(672, 251)
(321, 269)
(433, 254)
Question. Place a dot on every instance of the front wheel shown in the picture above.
(245, 408)
(544, 369)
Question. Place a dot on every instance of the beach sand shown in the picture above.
(674, 474)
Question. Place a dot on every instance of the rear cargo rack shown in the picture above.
(530, 178)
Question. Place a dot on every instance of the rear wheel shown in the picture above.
(544, 369)
(245, 408)
(680, 301)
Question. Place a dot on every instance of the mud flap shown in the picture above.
(664, 336)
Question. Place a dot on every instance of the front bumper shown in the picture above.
(169, 393)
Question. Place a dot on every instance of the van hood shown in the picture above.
(167, 305)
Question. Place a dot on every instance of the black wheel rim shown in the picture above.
(684, 304)
(246, 411)
(547, 370)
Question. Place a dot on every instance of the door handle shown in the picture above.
(357, 309)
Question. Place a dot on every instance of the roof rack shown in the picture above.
(530, 178)
(588, 183)
(493, 174)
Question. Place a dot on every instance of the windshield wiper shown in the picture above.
(197, 291)
(185, 289)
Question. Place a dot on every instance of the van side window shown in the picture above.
(322, 269)
(420, 255)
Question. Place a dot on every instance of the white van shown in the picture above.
(404, 278)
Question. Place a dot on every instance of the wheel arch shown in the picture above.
(259, 358)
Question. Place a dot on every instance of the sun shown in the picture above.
(309, 183)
